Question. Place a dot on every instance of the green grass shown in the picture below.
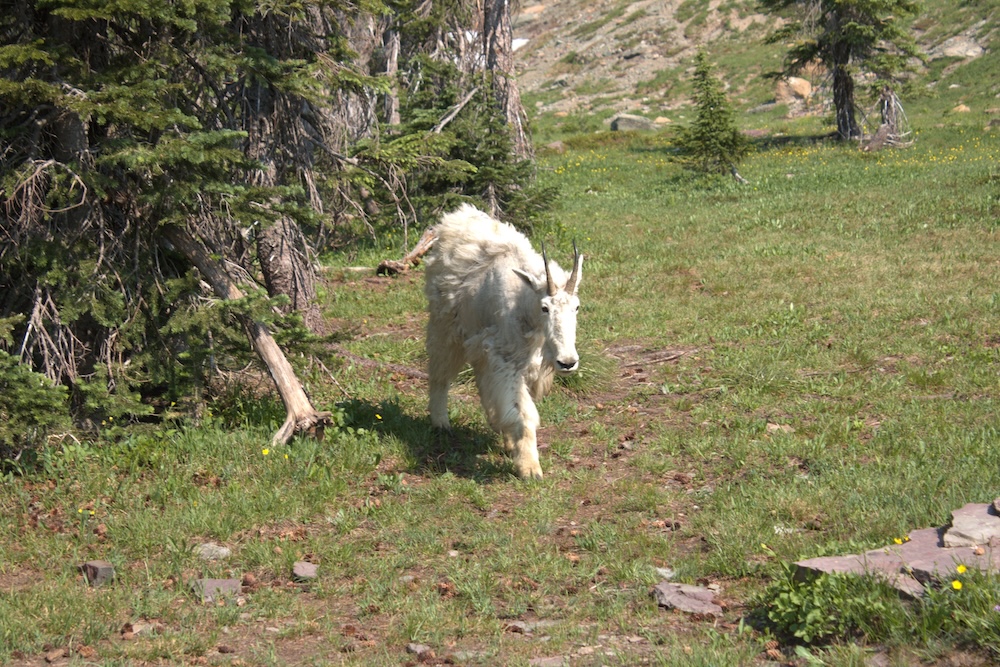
(850, 297)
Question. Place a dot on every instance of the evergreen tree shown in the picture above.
(134, 132)
(143, 140)
(848, 37)
(712, 143)
(455, 140)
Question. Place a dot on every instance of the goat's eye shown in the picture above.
(545, 309)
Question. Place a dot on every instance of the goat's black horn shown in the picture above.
(550, 287)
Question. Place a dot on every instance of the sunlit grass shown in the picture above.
(806, 364)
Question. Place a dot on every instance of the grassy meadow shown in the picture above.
(807, 364)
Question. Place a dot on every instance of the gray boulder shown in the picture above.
(628, 121)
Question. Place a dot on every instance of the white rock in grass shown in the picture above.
(304, 571)
(422, 651)
(212, 551)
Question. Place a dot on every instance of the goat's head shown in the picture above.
(558, 306)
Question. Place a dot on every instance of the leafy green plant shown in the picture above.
(813, 608)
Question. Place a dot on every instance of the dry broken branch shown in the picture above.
(301, 416)
(454, 112)
(390, 267)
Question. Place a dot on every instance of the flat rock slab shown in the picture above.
(98, 572)
(924, 559)
(211, 590)
(692, 599)
(304, 571)
(972, 525)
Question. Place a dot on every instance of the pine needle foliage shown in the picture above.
(477, 164)
(712, 143)
(120, 119)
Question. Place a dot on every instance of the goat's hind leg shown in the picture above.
(445, 360)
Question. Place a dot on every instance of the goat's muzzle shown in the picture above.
(568, 366)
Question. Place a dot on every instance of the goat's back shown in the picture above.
(474, 257)
(470, 242)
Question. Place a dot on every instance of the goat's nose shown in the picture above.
(568, 365)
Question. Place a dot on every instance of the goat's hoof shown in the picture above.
(530, 471)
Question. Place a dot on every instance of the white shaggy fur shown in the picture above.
(492, 305)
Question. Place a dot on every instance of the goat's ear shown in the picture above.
(531, 280)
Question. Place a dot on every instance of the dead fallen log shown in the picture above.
(301, 417)
(391, 267)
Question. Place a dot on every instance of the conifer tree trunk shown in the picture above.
(843, 94)
(391, 104)
(499, 57)
(301, 416)
(284, 260)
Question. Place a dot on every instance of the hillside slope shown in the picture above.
(608, 56)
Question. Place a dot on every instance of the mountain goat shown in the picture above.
(508, 312)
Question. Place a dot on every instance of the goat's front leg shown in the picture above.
(510, 411)
(519, 434)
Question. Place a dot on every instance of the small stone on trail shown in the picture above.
(211, 551)
(518, 627)
(304, 571)
(685, 597)
(98, 572)
(554, 661)
(212, 590)
(422, 651)
(130, 630)
(55, 654)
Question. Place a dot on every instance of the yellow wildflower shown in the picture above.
(961, 569)
(957, 585)
(265, 451)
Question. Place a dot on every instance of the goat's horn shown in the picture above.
(550, 288)
(574, 277)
